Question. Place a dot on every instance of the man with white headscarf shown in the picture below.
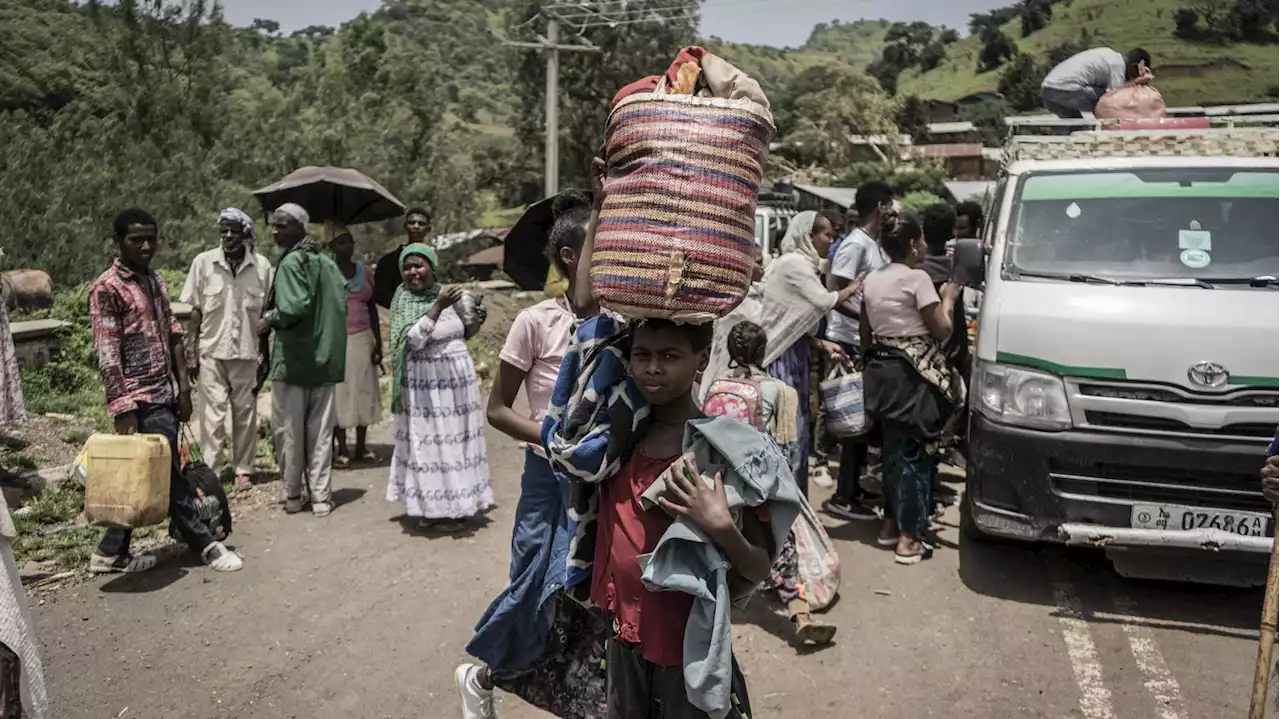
(227, 289)
(307, 310)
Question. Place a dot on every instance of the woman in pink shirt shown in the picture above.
(533, 644)
(358, 397)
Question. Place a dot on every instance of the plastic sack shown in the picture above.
(842, 402)
(209, 498)
(1131, 102)
(819, 564)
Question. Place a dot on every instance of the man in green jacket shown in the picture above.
(307, 310)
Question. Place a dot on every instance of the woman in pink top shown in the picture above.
(545, 651)
(358, 397)
(909, 390)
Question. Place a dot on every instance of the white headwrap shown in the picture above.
(296, 212)
(232, 214)
(799, 237)
(794, 297)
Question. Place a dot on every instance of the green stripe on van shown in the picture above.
(1247, 381)
(1059, 369)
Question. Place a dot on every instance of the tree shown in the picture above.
(912, 118)
(906, 44)
(264, 26)
(981, 21)
(1020, 83)
(588, 82)
(933, 56)
(1215, 14)
(842, 103)
(1035, 15)
(996, 48)
(1254, 20)
(988, 117)
(1186, 24)
(948, 36)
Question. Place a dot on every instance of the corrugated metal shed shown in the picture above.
(962, 190)
(842, 196)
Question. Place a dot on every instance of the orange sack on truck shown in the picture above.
(1134, 101)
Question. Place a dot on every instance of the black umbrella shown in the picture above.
(332, 193)
(524, 256)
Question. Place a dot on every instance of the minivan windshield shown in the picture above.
(1139, 225)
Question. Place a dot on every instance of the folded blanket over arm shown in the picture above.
(757, 477)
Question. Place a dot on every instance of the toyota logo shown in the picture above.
(1208, 374)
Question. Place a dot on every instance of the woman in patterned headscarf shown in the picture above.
(440, 470)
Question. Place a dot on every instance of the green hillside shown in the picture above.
(1187, 73)
(855, 44)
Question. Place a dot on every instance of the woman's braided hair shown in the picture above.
(897, 231)
(746, 345)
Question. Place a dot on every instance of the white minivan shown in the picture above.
(1125, 385)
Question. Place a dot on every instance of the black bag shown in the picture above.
(207, 497)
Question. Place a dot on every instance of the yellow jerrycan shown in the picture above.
(126, 480)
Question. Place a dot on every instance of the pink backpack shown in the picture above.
(737, 398)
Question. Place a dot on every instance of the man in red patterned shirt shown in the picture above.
(137, 344)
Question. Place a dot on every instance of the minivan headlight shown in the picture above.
(1020, 397)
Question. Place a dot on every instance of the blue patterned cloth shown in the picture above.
(596, 415)
(512, 634)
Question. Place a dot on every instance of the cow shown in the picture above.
(26, 289)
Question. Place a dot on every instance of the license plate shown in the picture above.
(1176, 517)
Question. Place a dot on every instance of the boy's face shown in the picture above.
(663, 364)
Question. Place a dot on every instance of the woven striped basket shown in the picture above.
(676, 235)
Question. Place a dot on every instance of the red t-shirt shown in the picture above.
(653, 620)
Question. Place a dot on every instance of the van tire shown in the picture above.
(968, 528)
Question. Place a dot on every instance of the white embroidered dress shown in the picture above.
(440, 469)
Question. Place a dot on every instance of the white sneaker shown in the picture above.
(221, 559)
(477, 702)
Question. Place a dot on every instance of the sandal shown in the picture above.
(449, 526)
(125, 564)
(368, 456)
(341, 461)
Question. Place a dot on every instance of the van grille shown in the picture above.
(1167, 485)
(1146, 393)
(1163, 424)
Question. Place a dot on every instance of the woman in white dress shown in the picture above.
(440, 471)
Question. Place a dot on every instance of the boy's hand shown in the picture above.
(706, 506)
(1271, 479)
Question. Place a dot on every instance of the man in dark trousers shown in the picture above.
(938, 222)
(137, 344)
(386, 274)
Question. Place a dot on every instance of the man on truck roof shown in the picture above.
(1076, 84)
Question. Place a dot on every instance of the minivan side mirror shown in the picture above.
(969, 264)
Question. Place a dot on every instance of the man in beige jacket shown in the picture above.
(227, 288)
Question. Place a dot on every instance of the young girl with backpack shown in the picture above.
(748, 394)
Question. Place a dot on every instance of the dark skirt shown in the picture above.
(894, 391)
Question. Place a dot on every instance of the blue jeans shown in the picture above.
(159, 419)
(1069, 103)
(909, 474)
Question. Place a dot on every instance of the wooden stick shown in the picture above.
(1266, 640)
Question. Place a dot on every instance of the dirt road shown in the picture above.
(355, 616)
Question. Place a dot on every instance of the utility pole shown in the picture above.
(551, 46)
